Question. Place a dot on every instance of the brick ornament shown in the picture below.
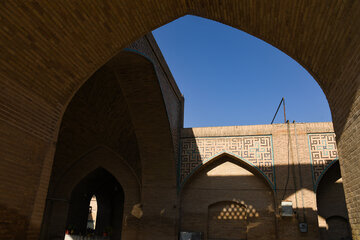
(323, 152)
(255, 150)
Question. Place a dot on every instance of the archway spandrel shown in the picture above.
(323, 153)
(255, 150)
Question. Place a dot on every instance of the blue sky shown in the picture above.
(229, 77)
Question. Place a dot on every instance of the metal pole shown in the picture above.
(277, 110)
(283, 100)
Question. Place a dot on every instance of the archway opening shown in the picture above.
(91, 223)
(332, 211)
(110, 206)
(109, 114)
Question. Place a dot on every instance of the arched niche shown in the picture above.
(332, 212)
(117, 120)
(227, 179)
(110, 199)
(228, 157)
(103, 173)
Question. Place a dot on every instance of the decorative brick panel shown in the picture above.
(323, 153)
(254, 150)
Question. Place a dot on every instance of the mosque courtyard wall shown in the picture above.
(249, 170)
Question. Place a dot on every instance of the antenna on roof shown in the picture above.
(283, 102)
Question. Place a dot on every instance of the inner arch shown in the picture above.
(110, 202)
(221, 159)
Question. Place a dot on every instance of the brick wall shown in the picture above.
(308, 154)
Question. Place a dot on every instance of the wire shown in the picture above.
(294, 174)
(300, 174)
(293, 169)
(288, 170)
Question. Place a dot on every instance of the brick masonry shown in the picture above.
(323, 153)
(298, 156)
(50, 48)
(255, 150)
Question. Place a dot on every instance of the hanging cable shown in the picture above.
(293, 171)
(288, 165)
(300, 174)
(290, 155)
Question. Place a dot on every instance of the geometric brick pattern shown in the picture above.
(255, 150)
(323, 152)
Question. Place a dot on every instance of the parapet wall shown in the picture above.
(262, 146)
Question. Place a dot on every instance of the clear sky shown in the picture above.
(229, 77)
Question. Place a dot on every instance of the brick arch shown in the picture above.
(57, 208)
(136, 128)
(202, 190)
(227, 156)
(110, 199)
(279, 23)
(53, 48)
(323, 173)
(111, 161)
(330, 200)
(150, 119)
(141, 98)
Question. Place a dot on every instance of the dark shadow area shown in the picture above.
(110, 199)
(338, 228)
(13, 223)
(333, 215)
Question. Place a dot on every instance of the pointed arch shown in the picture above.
(316, 184)
(333, 218)
(229, 179)
(141, 104)
(111, 161)
(121, 110)
(110, 198)
(231, 157)
(100, 160)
